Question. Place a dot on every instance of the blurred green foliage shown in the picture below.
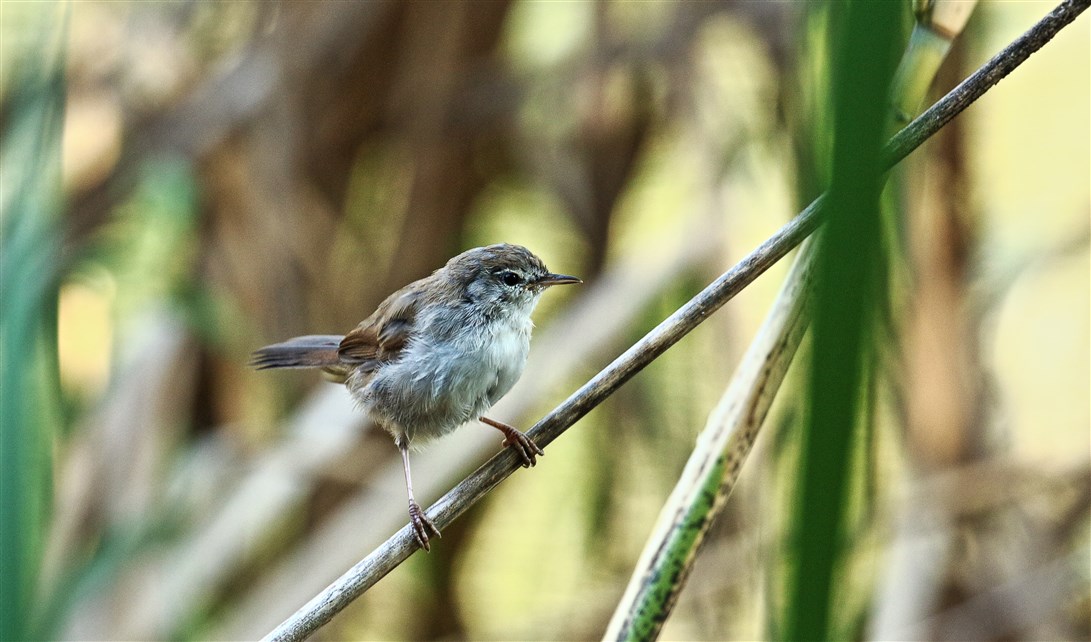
(850, 269)
(30, 270)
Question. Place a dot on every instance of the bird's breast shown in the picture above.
(480, 365)
(445, 379)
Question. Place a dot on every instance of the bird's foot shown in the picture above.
(524, 446)
(521, 444)
(517, 441)
(423, 527)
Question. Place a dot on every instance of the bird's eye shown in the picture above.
(510, 278)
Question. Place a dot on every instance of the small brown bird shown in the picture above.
(437, 353)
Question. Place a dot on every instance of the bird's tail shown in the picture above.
(311, 351)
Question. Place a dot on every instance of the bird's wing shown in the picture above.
(381, 336)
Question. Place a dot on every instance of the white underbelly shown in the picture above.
(437, 387)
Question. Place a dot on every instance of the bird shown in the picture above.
(436, 354)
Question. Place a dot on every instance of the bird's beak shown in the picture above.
(556, 279)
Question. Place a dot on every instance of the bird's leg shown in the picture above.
(422, 526)
(517, 441)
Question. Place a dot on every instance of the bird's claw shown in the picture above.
(423, 528)
(524, 446)
(518, 441)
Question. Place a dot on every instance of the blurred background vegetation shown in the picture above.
(184, 182)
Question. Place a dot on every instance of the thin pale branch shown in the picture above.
(395, 550)
(981, 81)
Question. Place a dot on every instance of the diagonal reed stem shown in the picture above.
(714, 466)
(365, 573)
